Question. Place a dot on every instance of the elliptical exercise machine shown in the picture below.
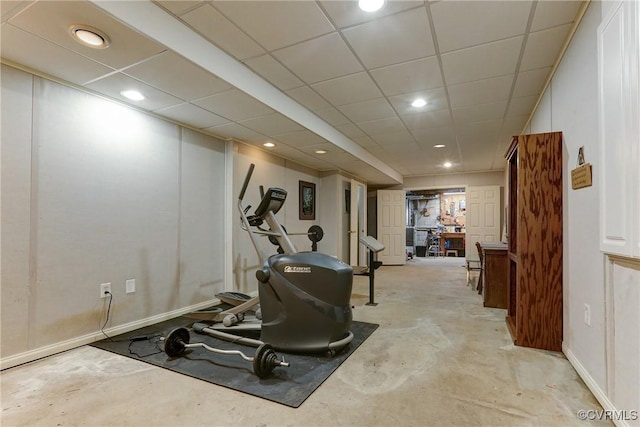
(304, 297)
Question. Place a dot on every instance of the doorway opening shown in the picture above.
(436, 222)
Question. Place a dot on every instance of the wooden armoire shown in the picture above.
(534, 227)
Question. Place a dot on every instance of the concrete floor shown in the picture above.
(438, 358)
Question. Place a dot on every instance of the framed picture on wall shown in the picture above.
(307, 200)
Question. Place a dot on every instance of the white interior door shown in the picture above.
(357, 223)
(482, 222)
(392, 226)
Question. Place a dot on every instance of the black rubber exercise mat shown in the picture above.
(289, 386)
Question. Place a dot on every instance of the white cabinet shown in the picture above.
(619, 115)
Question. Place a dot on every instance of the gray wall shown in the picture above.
(94, 192)
(270, 171)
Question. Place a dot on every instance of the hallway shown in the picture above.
(438, 358)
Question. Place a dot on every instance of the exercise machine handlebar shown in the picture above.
(246, 181)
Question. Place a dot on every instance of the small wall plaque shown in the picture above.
(581, 176)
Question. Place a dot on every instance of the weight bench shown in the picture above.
(373, 246)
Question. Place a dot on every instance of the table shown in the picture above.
(456, 242)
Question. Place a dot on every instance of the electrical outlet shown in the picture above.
(130, 286)
(587, 315)
(104, 288)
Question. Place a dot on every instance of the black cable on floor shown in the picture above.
(107, 320)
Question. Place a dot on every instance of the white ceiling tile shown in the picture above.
(384, 41)
(259, 143)
(531, 82)
(274, 72)
(428, 137)
(344, 160)
(51, 21)
(543, 47)
(402, 138)
(553, 13)
(331, 150)
(427, 119)
(349, 89)
(309, 98)
(409, 76)
(477, 164)
(271, 124)
(350, 130)
(472, 153)
(374, 127)
(216, 28)
(234, 130)
(191, 115)
(457, 25)
(480, 92)
(286, 151)
(478, 134)
(300, 138)
(366, 142)
(313, 162)
(348, 162)
(9, 8)
(513, 125)
(234, 105)
(323, 58)
(178, 7)
(347, 13)
(480, 112)
(177, 76)
(114, 84)
(368, 110)
(436, 100)
(275, 24)
(24, 48)
(523, 105)
(489, 60)
(332, 116)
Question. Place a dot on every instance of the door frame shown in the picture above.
(357, 222)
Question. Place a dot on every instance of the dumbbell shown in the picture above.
(265, 360)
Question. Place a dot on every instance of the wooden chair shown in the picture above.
(479, 286)
(472, 265)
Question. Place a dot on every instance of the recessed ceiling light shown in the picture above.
(371, 5)
(89, 36)
(133, 95)
(419, 103)
(447, 164)
(439, 146)
(321, 151)
(269, 144)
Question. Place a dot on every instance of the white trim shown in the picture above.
(38, 353)
(228, 215)
(600, 395)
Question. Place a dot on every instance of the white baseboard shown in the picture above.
(39, 353)
(599, 394)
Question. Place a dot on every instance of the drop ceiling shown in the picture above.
(315, 75)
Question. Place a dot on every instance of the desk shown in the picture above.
(455, 241)
(495, 268)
